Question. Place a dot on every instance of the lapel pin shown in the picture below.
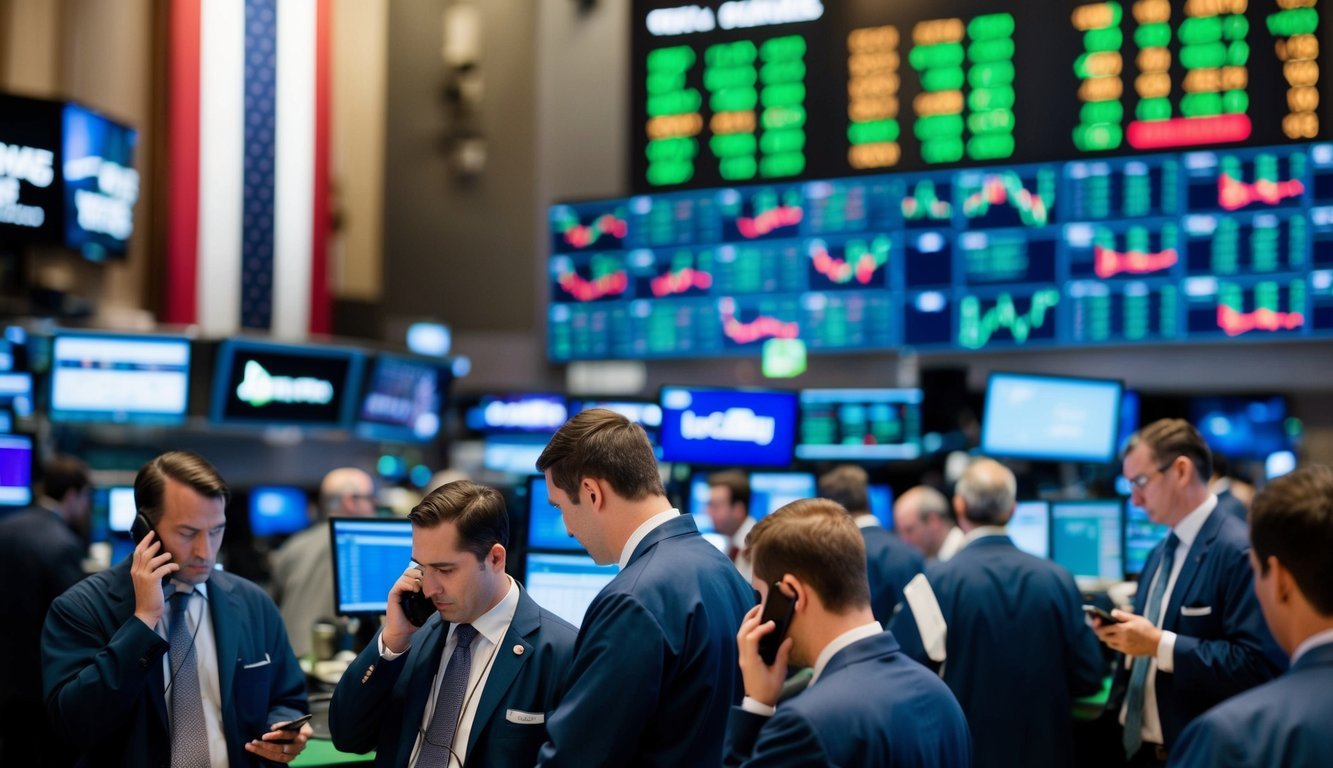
(518, 650)
(369, 671)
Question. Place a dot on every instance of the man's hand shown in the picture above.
(281, 746)
(398, 630)
(147, 570)
(1133, 636)
(762, 682)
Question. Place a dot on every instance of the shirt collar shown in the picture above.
(865, 520)
(201, 588)
(982, 531)
(738, 538)
(493, 624)
(1187, 530)
(1312, 642)
(842, 641)
(953, 541)
(642, 532)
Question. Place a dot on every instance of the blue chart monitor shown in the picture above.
(546, 525)
(138, 379)
(369, 554)
(1030, 528)
(733, 427)
(566, 584)
(770, 491)
(860, 424)
(1141, 535)
(15, 470)
(1086, 537)
(881, 503)
(1052, 418)
(277, 510)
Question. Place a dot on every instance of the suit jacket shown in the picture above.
(1223, 646)
(890, 564)
(1283, 722)
(871, 708)
(104, 680)
(379, 704)
(655, 669)
(1227, 502)
(302, 583)
(1015, 628)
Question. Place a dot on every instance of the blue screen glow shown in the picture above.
(1047, 417)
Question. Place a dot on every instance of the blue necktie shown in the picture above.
(189, 735)
(1138, 676)
(436, 747)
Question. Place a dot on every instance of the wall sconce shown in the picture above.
(463, 90)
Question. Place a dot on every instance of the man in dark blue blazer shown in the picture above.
(1196, 636)
(890, 562)
(390, 698)
(1018, 649)
(654, 670)
(104, 662)
(1286, 721)
(867, 704)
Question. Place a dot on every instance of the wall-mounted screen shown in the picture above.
(101, 184)
(1086, 538)
(859, 424)
(122, 379)
(16, 396)
(402, 399)
(369, 554)
(277, 510)
(565, 584)
(513, 454)
(1244, 427)
(534, 413)
(770, 491)
(30, 164)
(1030, 528)
(265, 384)
(120, 506)
(733, 427)
(1050, 417)
(15, 470)
(546, 524)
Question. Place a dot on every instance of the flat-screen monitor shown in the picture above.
(565, 584)
(101, 184)
(732, 427)
(13, 349)
(546, 525)
(1086, 538)
(770, 491)
(1051, 417)
(880, 496)
(1242, 427)
(369, 554)
(16, 394)
(531, 413)
(120, 379)
(402, 399)
(1141, 535)
(513, 454)
(277, 510)
(859, 424)
(265, 384)
(15, 470)
(1030, 528)
(31, 209)
(120, 507)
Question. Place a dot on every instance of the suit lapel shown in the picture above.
(422, 665)
(1191, 567)
(506, 666)
(676, 526)
(226, 634)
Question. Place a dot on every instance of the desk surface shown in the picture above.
(321, 752)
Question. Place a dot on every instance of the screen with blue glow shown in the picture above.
(770, 491)
(566, 584)
(546, 524)
(402, 399)
(1242, 427)
(369, 554)
(16, 394)
(1048, 417)
(277, 510)
(15, 470)
(728, 427)
(1030, 528)
(1086, 538)
(121, 379)
(513, 454)
(1141, 535)
(101, 184)
(881, 503)
(120, 507)
(859, 424)
(518, 413)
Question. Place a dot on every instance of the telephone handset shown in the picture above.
(139, 529)
(417, 607)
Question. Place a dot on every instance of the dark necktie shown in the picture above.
(436, 747)
(189, 736)
(1138, 676)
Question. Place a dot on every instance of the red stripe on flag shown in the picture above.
(180, 305)
(321, 310)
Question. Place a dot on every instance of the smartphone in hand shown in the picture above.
(417, 608)
(292, 727)
(1103, 615)
(778, 608)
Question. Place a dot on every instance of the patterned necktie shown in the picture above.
(1138, 676)
(435, 749)
(189, 736)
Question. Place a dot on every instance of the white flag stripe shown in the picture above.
(294, 172)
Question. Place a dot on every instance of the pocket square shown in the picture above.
(1202, 610)
(263, 662)
(524, 718)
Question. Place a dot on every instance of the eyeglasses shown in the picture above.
(1141, 481)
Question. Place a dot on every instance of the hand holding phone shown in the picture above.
(778, 608)
(292, 727)
(1099, 613)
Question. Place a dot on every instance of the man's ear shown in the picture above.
(593, 490)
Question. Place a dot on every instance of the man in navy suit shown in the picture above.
(1196, 636)
(396, 697)
(1018, 649)
(867, 704)
(890, 563)
(654, 670)
(114, 684)
(1286, 721)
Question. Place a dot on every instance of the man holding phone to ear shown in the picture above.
(867, 703)
(163, 660)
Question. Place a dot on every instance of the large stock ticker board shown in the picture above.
(954, 176)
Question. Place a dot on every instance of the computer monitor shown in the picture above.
(369, 554)
(1030, 528)
(527, 412)
(1057, 418)
(15, 470)
(402, 399)
(120, 379)
(1141, 535)
(565, 584)
(1086, 538)
(1242, 427)
(859, 424)
(731, 427)
(120, 507)
(278, 510)
(513, 454)
(265, 384)
(546, 524)
(16, 395)
(880, 496)
(770, 491)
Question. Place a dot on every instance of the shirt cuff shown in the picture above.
(756, 707)
(385, 653)
(1166, 653)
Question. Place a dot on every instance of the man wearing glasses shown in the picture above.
(1196, 636)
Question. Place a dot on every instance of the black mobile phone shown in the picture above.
(417, 608)
(778, 608)
(1100, 613)
(139, 529)
(294, 725)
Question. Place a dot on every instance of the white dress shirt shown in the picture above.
(953, 541)
(1310, 643)
(642, 532)
(200, 622)
(742, 561)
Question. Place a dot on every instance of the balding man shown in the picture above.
(302, 567)
(922, 518)
(1018, 650)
